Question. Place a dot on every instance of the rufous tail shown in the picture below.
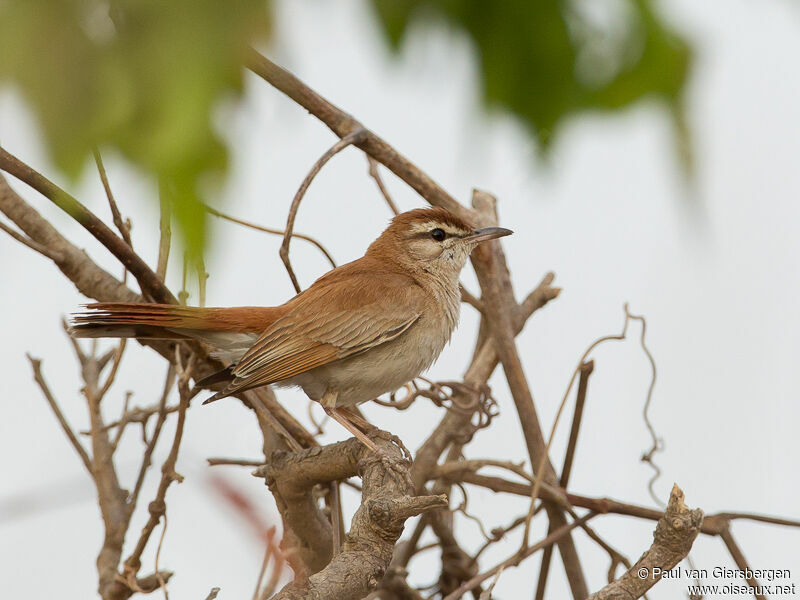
(167, 321)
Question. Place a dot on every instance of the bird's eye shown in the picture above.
(438, 234)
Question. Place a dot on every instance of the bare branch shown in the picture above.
(114, 368)
(162, 409)
(497, 293)
(157, 507)
(36, 365)
(123, 227)
(375, 173)
(741, 561)
(35, 246)
(213, 593)
(469, 298)
(387, 501)
(165, 231)
(518, 557)
(89, 279)
(242, 462)
(672, 540)
(585, 371)
(342, 124)
(148, 280)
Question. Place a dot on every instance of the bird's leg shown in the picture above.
(370, 429)
(356, 419)
(334, 414)
(328, 402)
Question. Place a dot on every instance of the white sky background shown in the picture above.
(714, 269)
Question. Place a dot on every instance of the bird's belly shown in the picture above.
(377, 371)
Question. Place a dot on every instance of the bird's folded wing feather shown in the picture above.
(309, 336)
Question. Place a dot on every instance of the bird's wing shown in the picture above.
(378, 310)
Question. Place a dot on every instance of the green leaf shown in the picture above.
(544, 60)
(142, 76)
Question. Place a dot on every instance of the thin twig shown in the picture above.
(352, 138)
(202, 278)
(123, 227)
(471, 299)
(741, 561)
(519, 556)
(657, 442)
(343, 124)
(242, 462)
(148, 280)
(575, 372)
(277, 567)
(280, 232)
(264, 563)
(114, 368)
(487, 593)
(122, 423)
(162, 584)
(33, 245)
(162, 417)
(36, 364)
(165, 230)
(375, 173)
(585, 370)
(157, 507)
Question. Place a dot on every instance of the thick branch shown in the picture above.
(495, 281)
(387, 501)
(342, 124)
(291, 477)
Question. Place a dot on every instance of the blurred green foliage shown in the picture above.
(143, 76)
(544, 60)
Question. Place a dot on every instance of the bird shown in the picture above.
(361, 330)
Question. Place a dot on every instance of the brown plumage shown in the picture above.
(361, 330)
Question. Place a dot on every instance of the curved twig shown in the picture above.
(376, 175)
(352, 138)
(343, 124)
(280, 232)
(657, 443)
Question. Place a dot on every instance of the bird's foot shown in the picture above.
(398, 467)
(390, 437)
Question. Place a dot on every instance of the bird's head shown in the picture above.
(432, 240)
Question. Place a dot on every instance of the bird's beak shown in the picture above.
(487, 233)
